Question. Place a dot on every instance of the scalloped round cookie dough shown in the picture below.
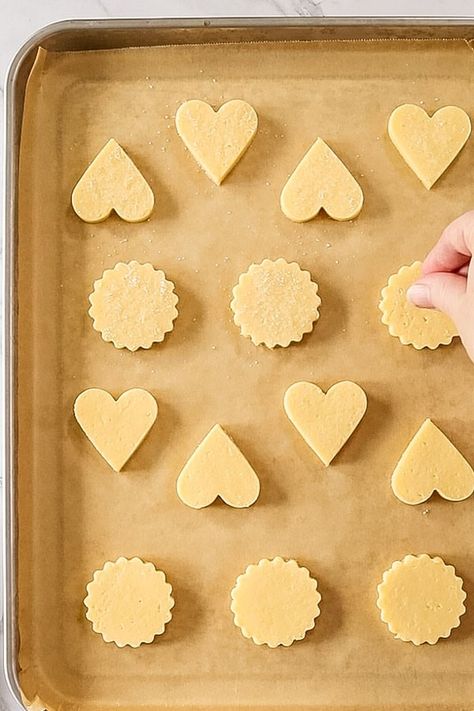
(415, 326)
(275, 602)
(128, 602)
(275, 303)
(421, 599)
(133, 305)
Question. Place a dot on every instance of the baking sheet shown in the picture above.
(342, 523)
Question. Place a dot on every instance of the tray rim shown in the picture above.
(11, 138)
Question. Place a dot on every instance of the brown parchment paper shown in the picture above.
(343, 523)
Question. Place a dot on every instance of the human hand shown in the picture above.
(447, 283)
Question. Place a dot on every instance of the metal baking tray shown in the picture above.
(75, 35)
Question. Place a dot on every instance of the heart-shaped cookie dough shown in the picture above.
(321, 181)
(116, 428)
(216, 139)
(325, 420)
(432, 463)
(428, 144)
(112, 182)
(217, 467)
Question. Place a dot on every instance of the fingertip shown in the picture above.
(419, 295)
(441, 291)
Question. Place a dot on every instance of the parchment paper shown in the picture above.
(343, 523)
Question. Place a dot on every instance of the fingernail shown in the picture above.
(419, 295)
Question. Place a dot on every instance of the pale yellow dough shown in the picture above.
(217, 467)
(432, 463)
(116, 428)
(112, 182)
(421, 599)
(421, 328)
(275, 303)
(321, 181)
(129, 602)
(216, 139)
(325, 420)
(428, 144)
(133, 305)
(275, 602)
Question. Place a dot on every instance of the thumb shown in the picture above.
(440, 290)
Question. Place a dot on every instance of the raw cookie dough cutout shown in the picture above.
(275, 602)
(133, 305)
(325, 420)
(116, 428)
(275, 303)
(321, 181)
(428, 144)
(421, 599)
(217, 467)
(112, 182)
(432, 463)
(415, 326)
(129, 602)
(217, 140)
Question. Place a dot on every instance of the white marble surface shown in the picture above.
(21, 18)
